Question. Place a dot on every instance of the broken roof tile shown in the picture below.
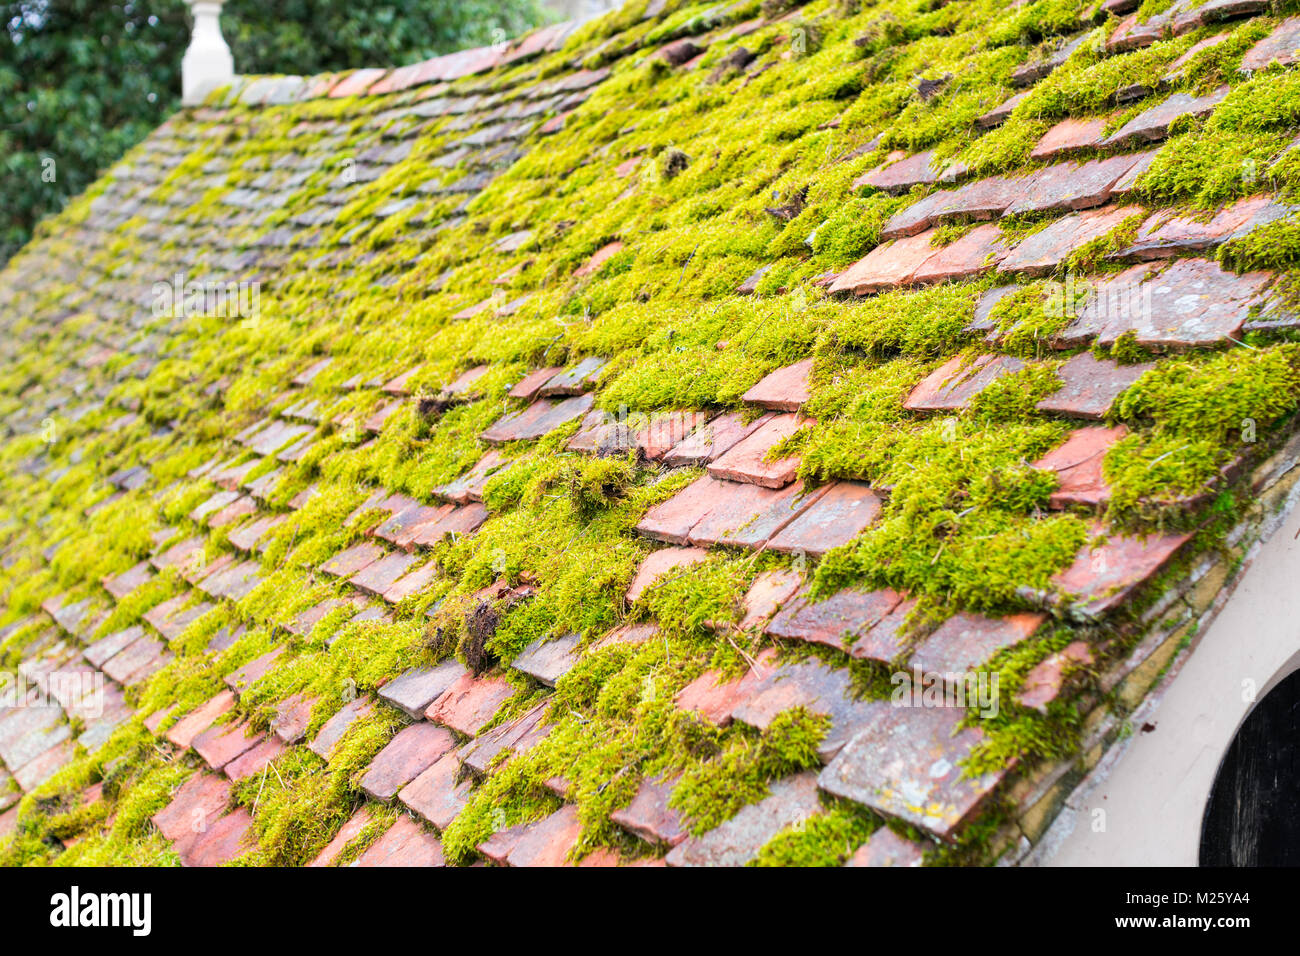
(1044, 682)
(886, 848)
(747, 515)
(840, 621)
(650, 817)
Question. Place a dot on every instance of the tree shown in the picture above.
(81, 81)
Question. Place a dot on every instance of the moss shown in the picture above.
(716, 790)
(826, 839)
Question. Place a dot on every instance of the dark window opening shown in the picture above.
(1253, 816)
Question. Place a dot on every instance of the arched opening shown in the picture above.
(1253, 815)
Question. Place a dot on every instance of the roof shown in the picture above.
(710, 435)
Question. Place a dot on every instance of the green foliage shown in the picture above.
(82, 81)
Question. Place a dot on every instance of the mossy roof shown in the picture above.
(558, 451)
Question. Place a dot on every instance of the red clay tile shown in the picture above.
(650, 436)
(888, 265)
(255, 759)
(549, 659)
(790, 802)
(835, 518)
(1077, 464)
(909, 765)
(1164, 234)
(137, 662)
(228, 837)
(1046, 249)
(538, 419)
(400, 528)
(470, 703)
(222, 743)
(1153, 124)
(1069, 185)
(977, 251)
(495, 748)
(412, 751)
(714, 699)
(528, 387)
(412, 583)
(434, 795)
(817, 687)
(1089, 386)
(112, 645)
(1192, 302)
(405, 844)
(784, 390)
(665, 561)
(123, 584)
(1044, 682)
(1069, 135)
(196, 803)
(1103, 576)
(714, 439)
(951, 387)
(1282, 46)
(901, 174)
(241, 506)
(37, 771)
(347, 833)
(747, 515)
(549, 841)
(598, 259)
(576, 380)
(999, 113)
(247, 536)
(886, 848)
(649, 817)
(745, 461)
(469, 487)
(768, 592)
(348, 562)
(966, 641)
(183, 732)
(292, 717)
(378, 576)
(840, 621)
(672, 520)
(464, 520)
